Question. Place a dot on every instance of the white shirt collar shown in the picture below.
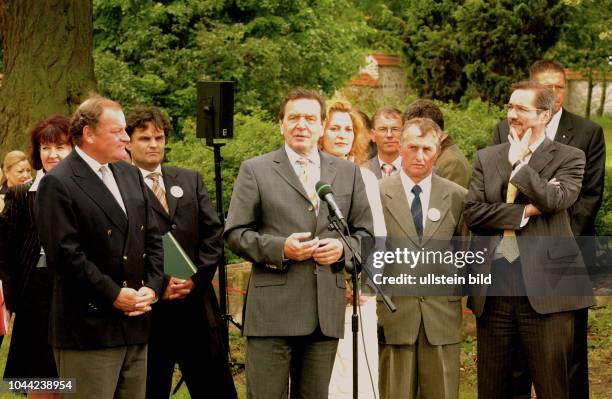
(39, 175)
(407, 182)
(553, 124)
(293, 156)
(397, 163)
(93, 164)
(146, 173)
(534, 146)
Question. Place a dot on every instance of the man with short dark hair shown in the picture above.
(419, 343)
(519, 197)
(385, 133)
(186, 325)
(576, 131)
(451, 163)
(295, 304)
(100, 238)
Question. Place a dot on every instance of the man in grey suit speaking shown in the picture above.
(295, 303)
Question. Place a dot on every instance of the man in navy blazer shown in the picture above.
(99, 235)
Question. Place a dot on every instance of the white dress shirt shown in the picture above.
(553, 125)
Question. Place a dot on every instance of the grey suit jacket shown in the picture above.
(441, 315)
(374, 165)
(269, 204)
(586, 135)
(547, 267)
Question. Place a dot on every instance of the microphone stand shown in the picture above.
(339, 225)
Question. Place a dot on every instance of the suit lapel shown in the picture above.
(283, 167)
(503, 167)
(437, 200)
(542, 155)
(399, 208)
(375, 167)
(124, 190)
(328, 175)
(170, 180)
(95, 189)
(565, 131)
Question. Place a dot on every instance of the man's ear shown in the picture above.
(547, 115)
(88, 134)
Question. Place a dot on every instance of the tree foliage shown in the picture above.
(472, 48)
(586, 37)
(154, 52)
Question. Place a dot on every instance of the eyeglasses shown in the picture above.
(385, 129)
(519, 109)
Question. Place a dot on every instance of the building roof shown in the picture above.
(386, 59)
(365, 79)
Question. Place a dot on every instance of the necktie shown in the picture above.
(307, 183)
(157, 189)
(417, 211)
(510, 248)
(111, 184)
(387, 169)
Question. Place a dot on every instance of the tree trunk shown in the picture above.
(589, 94)
(48, 63)
(604, 86)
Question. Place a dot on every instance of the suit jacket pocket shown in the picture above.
(562, 253)
(269, 279)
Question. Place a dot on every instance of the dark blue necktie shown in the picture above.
(417, 211)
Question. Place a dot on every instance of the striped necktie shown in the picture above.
(307, 183)
(157, 189)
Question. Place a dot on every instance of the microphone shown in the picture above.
(326, 193)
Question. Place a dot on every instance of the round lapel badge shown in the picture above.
(176, 191)
(433, 214)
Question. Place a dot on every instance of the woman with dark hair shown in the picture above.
(29, 282)
(345, 136)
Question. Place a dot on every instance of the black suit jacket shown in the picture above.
(95, 249)
(588, 136)
(195, 225)
(20, 246)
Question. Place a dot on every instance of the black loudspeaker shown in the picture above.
(215, 113)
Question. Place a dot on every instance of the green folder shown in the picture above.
(176, 261)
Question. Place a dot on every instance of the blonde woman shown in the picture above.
(16, 170)
(345, 136)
